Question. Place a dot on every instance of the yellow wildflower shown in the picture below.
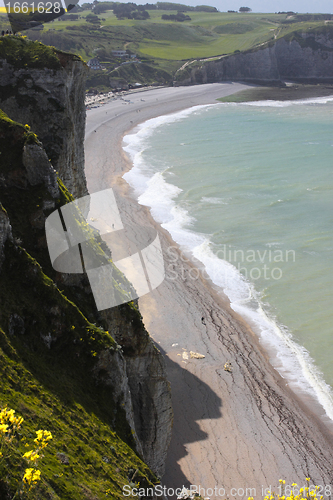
(8, 416)
(31, 476)
(19, 421)
(42, 438)
(3, 428)
(31, 455)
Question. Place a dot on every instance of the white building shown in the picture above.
(94, 63)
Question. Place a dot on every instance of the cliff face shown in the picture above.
(302, 56)
(51, 100)
(305, 57)
(116, 361)
(149, 388)
(5, 232)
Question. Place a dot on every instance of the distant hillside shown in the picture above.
(165, 44)
(304, 56)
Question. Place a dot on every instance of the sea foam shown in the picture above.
(285, 104)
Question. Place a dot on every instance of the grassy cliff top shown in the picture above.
(24, 53)
(207, 34)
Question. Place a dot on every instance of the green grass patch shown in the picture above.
(99, 462)
(24, 53)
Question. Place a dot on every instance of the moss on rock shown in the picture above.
(23, 53)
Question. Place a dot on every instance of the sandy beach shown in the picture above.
(234, 430)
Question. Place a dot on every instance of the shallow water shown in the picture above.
(248, 189)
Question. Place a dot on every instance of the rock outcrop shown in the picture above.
(5, 231)
(299, 56)
(306, 57)
(148, 385)
(51, 101)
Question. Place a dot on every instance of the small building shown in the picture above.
(94, 63)
(119, 53)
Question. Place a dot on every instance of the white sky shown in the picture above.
(323, 6)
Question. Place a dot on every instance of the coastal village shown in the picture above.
(94, 100)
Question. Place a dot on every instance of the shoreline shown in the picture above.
(318, 393)
(237, 429)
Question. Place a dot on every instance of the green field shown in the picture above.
(206, 35)
(166, 45)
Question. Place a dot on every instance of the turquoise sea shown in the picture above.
(248, 189)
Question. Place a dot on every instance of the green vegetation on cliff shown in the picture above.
(50, 372)
(20, 53)
(23, 53)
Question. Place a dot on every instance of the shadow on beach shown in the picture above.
(192, 401)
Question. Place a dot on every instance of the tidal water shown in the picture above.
(248, 189)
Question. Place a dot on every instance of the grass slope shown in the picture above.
(48, 354)
(206, 35)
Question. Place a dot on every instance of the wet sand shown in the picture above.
(238, 429)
